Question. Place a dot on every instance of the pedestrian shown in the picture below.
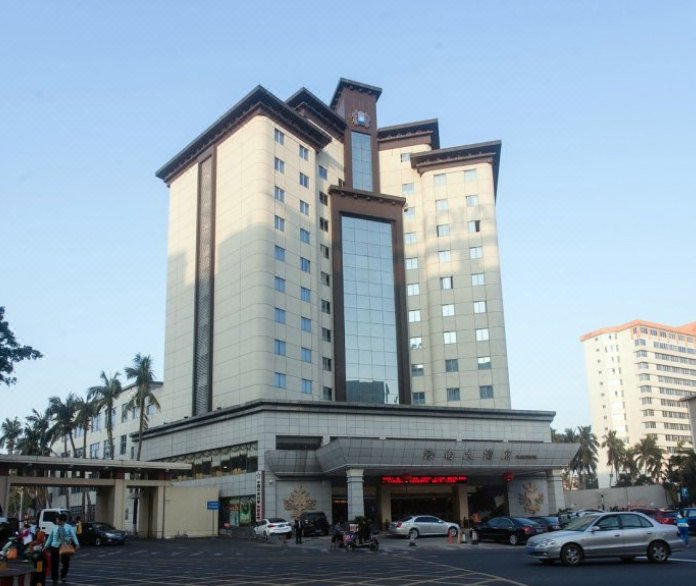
(78, 527)
(59, 543)
(683, 528)
(336, 535)
(298, 526)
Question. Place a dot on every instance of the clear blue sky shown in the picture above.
(594, 102)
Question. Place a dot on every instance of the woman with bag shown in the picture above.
(62, 544)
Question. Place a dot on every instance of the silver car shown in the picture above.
(623, 535)
(414, 526)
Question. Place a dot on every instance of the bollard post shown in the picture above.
(474, 537)
(412, 539)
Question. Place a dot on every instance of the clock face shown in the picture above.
(361, 118)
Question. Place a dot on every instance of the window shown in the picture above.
(279, 380)
(306, 386)
(406, 188)
(326, 363)
(443, 230)
(470, 175)
(279, 193)
(123, 442)
(416, 343)
(279, 253)
(417, 370)
(479, 307)
(326, 334)
(323, 173)
(279, 136)
(279, 223)
(94, 450)
(413, 289)
(414, 315)
(304, 153)
(325, 306)
(446, 283)
(304, 208)
(482, 334)
(279, 315)
(306, 355)
(304, 180)
(472, 200)
(476, 252)
(448, 310)
(451, 365)
(484, 362)
(305, 324)
(279, 165)
(444, 255)
(409, 212)
(453, 394)
(279, 347)
(361, 151)
(450, 337)
(326, 393)
(304, 265)
(486, 392)
(304, 235)
(324, 199)
(474, 225)
(410, 238)
(325, 279)
(324, 250)
(477, 279)
(411, 263)
(306, 294)
(324, 224)
(418, 398)
(124, 413)
(440, 179)
(441, 205)
(405, 157)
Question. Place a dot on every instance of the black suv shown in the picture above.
(314, 523)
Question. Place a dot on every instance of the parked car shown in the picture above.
(624, 535)
(689, 514)
(415, 526)
(272, 526)
(314, 523)
(98, 533)
(664, 516)
(550, 522)
(512, 530)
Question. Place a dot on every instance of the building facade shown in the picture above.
(335, 335)
(638, 375)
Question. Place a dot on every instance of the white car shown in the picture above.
(415, 526)
(272, 526)
(623, 535)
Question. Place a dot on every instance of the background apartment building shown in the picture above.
(638, 375)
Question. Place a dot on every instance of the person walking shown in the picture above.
(683, 528)
(61, 537)
(298, 530)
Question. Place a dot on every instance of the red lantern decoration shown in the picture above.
(508, 476)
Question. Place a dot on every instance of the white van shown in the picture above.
(47, 519)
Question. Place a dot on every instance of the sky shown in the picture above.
(594, 102)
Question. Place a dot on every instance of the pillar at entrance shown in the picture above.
(554, 487)
(356, 501)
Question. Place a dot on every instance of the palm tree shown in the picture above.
(104, 396)
(63, 414)
(83, 421)
(141, 372)
(616, 451)
(649, 456)
(37, 437)
(587, 454)
(11, 431)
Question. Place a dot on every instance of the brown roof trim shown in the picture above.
(424, 128)
(258, 101)
(305, 101)
(360, 194)
(427, 161)
(687, 329)
(344, 83)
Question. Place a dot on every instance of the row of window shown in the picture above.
(448, 308)
(453, 394)
(280, 381)
(663, 334)
(451, 365)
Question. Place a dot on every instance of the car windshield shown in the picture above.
(277, 520)
(103, 526)
(524, 521)
(581, 523)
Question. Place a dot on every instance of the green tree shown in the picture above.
(616, 451)
(104, 396)
(12, 352)
(86, 411)
(141, 372)
(63, 417)
(36, 437)
(11, 432)
(649, 457)
(587, 455)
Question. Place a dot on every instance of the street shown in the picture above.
(228, 561)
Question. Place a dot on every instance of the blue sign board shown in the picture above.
(213, 505)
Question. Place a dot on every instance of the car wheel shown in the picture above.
(571, 555)
(627, 559)
(658, 552)
(98, 541)
(452, 532)
(413, 534)
(513, 539)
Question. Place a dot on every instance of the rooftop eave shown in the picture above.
(344, 83)
(303, 98)
(412, 129)
(343, 191)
